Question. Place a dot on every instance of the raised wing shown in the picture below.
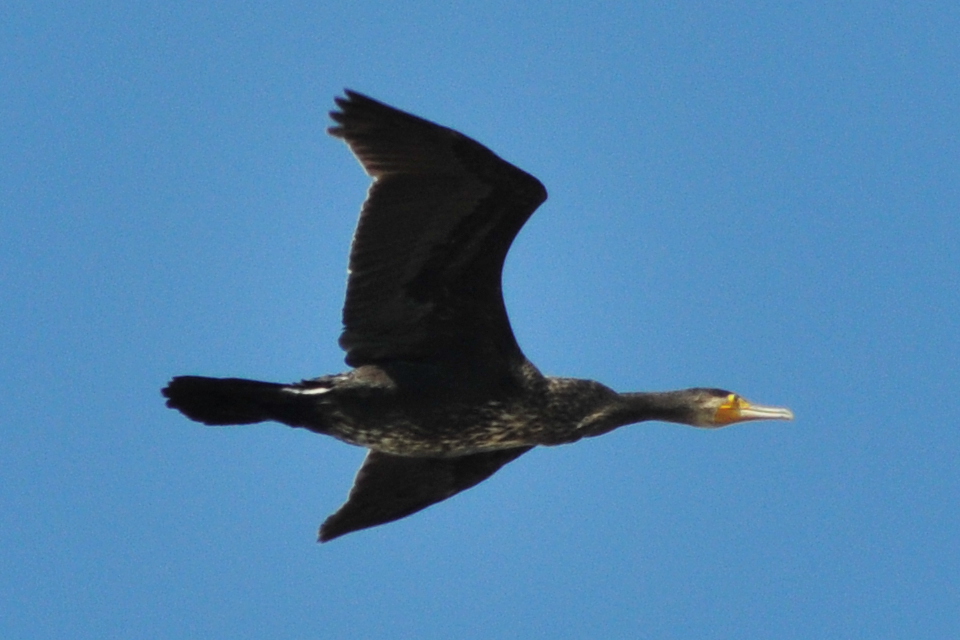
(430, 244)
(390, 487)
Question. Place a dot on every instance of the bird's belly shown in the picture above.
(448, 433)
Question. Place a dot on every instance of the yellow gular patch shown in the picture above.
(729, 411)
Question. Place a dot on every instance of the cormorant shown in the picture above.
(439, 391)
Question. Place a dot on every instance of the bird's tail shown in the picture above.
(223, 401)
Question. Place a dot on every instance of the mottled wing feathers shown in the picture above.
(390, 487)
(430, 244)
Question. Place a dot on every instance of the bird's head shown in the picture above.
(714, 408)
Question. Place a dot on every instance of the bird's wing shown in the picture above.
(429, 248)
(390, 487)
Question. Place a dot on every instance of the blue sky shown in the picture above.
(762, 197)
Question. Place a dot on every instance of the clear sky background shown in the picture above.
(763, 197)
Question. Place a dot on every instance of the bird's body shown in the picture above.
(440, 392)
(407, 411)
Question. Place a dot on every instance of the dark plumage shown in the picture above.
(439, 391)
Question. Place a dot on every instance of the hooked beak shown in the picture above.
(762, 412)
(736, 409)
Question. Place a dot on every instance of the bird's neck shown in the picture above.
(667, 406)
(601, 409)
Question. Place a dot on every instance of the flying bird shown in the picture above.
(438, 390)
